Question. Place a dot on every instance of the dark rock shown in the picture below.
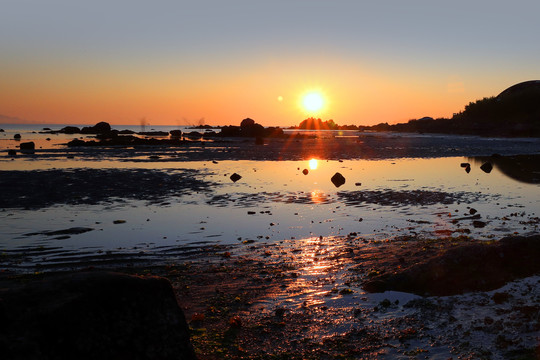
(100, 128)
(70, 130)
(175, 133)
(17, 136)
(486, 167)
(305, 171)
(259, 140)
(89, 315)
(1, 130)
(472, 211)
(153, 133)
(468, 169)
(235, 177)
(193, 135)
(12, 152)
(77, 142)
(501, 297)
(27, 146)
(475, 267)
(464, 165)
(46, 129)
(70, 231)
(479, 223)
(337, 179)
(247, 122)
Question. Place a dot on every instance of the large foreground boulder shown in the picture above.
(475, 267)
(92, 315)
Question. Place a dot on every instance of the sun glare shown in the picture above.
(313, 163)
(313, 101)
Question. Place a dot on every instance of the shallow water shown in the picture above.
(275, 201)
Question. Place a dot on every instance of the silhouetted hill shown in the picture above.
(514, 112)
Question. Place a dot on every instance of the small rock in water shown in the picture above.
(486, 167)
(358, 184)
(235, 177)
(27, 146)
(154, 157)
(119, 221)
(214, 162)
(305, 171)
(465, 165)
(479, 224)
(17, 136)
(12, 152)
(338, 179)
(472, 211)
(468, 169)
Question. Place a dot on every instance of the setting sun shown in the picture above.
(313, 101)
(313, 163)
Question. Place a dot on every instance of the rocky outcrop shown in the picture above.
(92, 315)
(476, 267)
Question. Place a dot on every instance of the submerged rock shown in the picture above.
(93, 315)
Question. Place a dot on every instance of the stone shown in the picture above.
(27, 146)
(338, 179)
(93, 315)
(464, 165)
(305, 171)
(472, 211)
(100, 128)
(468, 169)
(235, 177)
(12, 152)
(175, 133)
(486, 167)
(1, 130)
(17, 136)
(70, 130)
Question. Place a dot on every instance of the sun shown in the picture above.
(313, 101)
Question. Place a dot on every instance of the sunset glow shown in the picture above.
(313, 102)
(313, 163)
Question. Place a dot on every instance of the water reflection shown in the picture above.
(523, 168)
(313, 164)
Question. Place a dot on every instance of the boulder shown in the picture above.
(175, 133)
(1, 130)
(235, 177)
(338, 179)
(247, 122)
(12, 152)
(486, 167)
(27, 146)
(17, 136)
(92, 315)
(70, 130)
(475, 267)
(305, 171)
(100, 128)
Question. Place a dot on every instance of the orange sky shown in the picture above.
(80, 64)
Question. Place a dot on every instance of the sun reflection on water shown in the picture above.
(313, 164)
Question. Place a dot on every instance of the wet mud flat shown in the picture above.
(308, 299)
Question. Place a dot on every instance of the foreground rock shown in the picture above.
(475, 267)
(98, 315)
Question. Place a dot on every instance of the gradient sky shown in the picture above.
(176, 62)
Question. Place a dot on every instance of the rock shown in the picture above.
(17, 136)
(464, 165)
(479, 223)
(338, 179)
(247, 122)
(70, 130)
(305, 171)
(357, 184)
(119, 221)
(175, 133)
(475, 267)
(468, 169)
(472, 211)
(100, 128)
(486, 167)
(27, 146)
(501, 297)
(1, 130)
(12, 152)
(259, 140)
(93, 315)
(235, 177)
